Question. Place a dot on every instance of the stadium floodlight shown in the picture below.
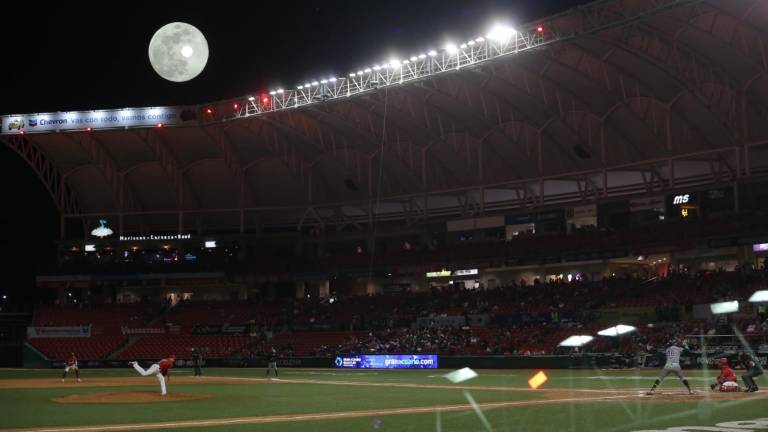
(617, 330)
(406, 61)
(471, 42)
(501, 33)
(724, 307)
(251, 98)
(315, 83)
(576, 341)
(759, 297)
(376, 67)
(306, 84)
(394, 62)
(432, 53)
(332, 79)
(272, 92)
(300, 87)
(367, 70)
(422, 56)
(323, 81)
(352, 75)
(451, 48)
(480, 39)
(462, 46)
(280, 90)
(413, 58)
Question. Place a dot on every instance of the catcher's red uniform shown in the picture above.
(726, 375)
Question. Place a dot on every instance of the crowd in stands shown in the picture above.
(520, 318)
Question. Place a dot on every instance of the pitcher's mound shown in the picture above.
(129, 397)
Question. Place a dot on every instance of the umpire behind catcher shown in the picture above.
(753, 367)
(197, 361)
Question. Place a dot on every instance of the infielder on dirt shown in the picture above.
(71, 364)
(672, 365)
(160, 369)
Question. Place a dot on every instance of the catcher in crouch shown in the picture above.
(160, 369)
(727, 381)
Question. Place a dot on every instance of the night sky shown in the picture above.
(71, 56)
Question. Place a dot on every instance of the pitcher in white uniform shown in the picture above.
(673, 352)
(161, 370)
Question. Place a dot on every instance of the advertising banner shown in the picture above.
(101, 119)
(141, 330)
(396, 361)
(59, 332)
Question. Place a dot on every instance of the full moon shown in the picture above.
(178, 52)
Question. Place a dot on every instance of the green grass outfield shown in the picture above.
(374, 400)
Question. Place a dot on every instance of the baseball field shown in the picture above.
(370, 400)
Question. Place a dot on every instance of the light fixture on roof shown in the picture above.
(759, 297)
(576, 341)
(724, 307)
(479, 39)
(323, 81)
(272, 92)
(376, 67)
(367, 70)
(352, 75)
(422, 56)
(315, 83)
(102, 230)
(471, 42)
(406, 61)
(413, 58)
(451, 48)
(332, 79)
(394, 62)
(432, 53)
(300, 87)
(251, 98)
(617, 330)
(501, 33)
(462, 46)
(280, 90)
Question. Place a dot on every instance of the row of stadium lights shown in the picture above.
(759, 296)
(499, 33)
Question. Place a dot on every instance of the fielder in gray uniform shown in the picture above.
(672, 365)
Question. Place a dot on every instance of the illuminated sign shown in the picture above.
(397, 361)
(100, 119)
(441, 273)
(467, 272)
(90, 248)
(684, 212)
(102, 230)
(210, 244)
(681, 199)
(760, 247)
(156, 237)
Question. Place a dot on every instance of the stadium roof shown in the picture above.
(616, 98)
